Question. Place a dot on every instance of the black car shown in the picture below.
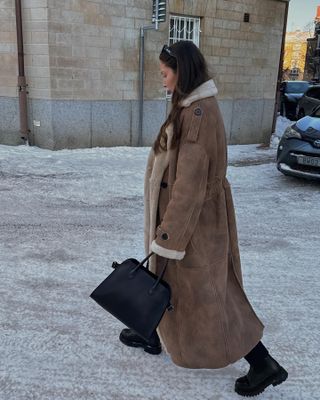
(299, 148)
(290, 93)
(308, 102)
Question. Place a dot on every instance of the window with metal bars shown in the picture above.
(184, 28)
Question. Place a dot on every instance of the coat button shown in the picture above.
(164, 236)
(197, 111)
(164, 185)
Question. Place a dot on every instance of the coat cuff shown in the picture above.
(167, 253)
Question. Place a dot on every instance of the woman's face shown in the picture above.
(169, 77)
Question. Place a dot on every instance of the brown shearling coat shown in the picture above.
(189, 218)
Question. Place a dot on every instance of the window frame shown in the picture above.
(182, 24)
(177, 22)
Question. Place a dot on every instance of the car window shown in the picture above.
(309, 93)
(297, 87)
(314, 93)
(317, 113)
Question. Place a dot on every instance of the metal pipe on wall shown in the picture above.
(277, 99)
(141, 86)
(141, 70)
(22, 85)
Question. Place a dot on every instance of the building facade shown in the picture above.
(82, 67)
(312, 70)
(295, 55)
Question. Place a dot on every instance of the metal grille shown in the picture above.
(184, 28)
(162, 11)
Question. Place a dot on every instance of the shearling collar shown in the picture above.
(207, 89)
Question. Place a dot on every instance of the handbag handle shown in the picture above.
(145, 259)
(159, 278)
(152, 289)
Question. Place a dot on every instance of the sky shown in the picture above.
(301, 12)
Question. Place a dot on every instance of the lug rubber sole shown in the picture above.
(154, 350)
(274, 380)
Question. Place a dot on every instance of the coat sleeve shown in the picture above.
(184, 207)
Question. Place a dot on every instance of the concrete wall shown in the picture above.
(76, 124)
(82, 68)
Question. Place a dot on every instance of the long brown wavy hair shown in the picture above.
(186, 60)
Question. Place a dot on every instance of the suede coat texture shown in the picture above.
(190, 219)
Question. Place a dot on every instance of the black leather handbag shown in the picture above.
(135, 296)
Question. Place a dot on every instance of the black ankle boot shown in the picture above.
(132, 339)
(259, 378)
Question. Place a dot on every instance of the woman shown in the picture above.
(190, 221)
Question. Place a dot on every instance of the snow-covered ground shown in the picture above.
(66, 215)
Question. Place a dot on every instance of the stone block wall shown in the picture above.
(9, 117)
(243, 59)
(82, 63)
(8, 49)
(94, 48)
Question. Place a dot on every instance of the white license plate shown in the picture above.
(305, 160)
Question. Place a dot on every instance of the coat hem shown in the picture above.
(232, 360)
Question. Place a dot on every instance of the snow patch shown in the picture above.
(281, 126)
